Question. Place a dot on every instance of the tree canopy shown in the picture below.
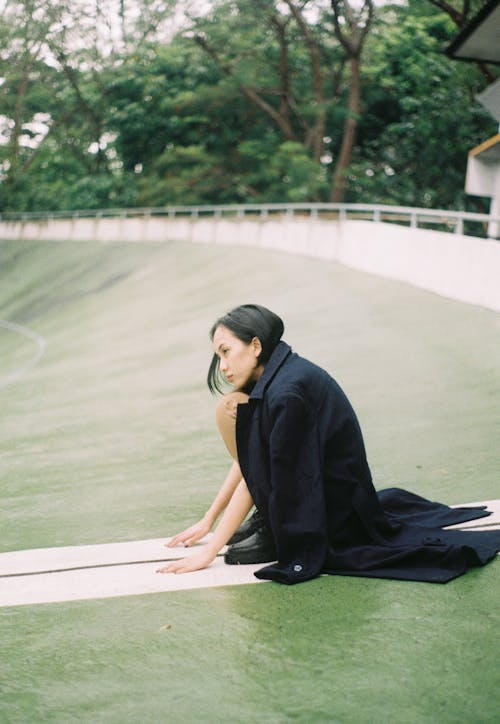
(158, 102)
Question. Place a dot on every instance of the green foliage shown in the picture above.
(175, 122)
(420, 117)
(290, 173)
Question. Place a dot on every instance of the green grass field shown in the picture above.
(110, 437)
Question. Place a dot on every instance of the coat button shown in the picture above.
(297, 568)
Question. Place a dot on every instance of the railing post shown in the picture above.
(459, 225)
(413, 220)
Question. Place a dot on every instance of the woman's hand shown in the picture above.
(193, 563)
(238, 507)
(191, 535)
(199, 530)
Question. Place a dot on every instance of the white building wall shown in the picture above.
(483, 179)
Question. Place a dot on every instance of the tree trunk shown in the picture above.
(349, 134)
(315, 134)
(283, 122)
(14, 147)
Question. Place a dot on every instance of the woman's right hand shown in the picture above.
(192, 534)
(196, 562)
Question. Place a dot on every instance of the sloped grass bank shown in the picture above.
(111, 437)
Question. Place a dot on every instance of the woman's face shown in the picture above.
(237, 360)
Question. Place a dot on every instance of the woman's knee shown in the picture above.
(225, 412)
(225, 415)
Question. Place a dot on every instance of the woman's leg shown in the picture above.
(225, 415)
(252, 542)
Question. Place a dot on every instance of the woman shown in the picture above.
(299, 456)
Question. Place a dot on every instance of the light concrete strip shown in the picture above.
(71, 573)
(491, 520)
(123, 580)
(118, 580)
(46, 560)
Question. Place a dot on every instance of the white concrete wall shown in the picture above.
(460, 267)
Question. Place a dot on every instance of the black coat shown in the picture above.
(302, 455)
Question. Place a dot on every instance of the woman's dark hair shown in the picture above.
(246, 322)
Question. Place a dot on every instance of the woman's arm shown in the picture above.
(202, 527)
(235, 513)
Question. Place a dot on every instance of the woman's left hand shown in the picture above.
(192, 563)
(191, 535)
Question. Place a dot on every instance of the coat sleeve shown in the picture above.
(296, 506)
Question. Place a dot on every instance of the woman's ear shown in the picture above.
(257, 347)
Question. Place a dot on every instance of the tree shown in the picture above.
(26, 102)
(54, 57)
(420, 116)
(275, 100)
(265, 58)
(351, 28)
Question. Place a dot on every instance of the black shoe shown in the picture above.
(258, 548)
(248, 528)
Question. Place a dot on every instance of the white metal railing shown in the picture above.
(408, 215)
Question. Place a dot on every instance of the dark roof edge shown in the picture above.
(473, 23)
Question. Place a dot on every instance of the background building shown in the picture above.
(480, 41)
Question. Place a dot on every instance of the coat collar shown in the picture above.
(281, 352)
